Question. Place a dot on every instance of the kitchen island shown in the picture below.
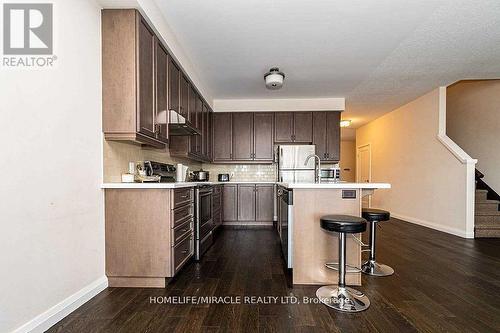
(310, 246)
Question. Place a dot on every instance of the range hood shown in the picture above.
(177, 124)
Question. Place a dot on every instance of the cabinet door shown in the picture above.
(302, 127)
(333, 137)
(222, 128)
(210, 135)
(230, 202)
(161, 89)
(283, 127)
(243, 136)
(193, 117)
(319, 134)
(246, 203)
(184, 97)
(145, 72)
(264, 202)
(173, 85)
(263, 136)
(204, 137)
(199, 112)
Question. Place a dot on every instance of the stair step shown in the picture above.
(487, 213)
(481, 195)
(490, 205)
(487, 220)
(487, 233)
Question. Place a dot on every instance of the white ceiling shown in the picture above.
(378, 54)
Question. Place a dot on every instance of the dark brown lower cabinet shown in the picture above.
(230, 202)
(264, 200)
(246, 203)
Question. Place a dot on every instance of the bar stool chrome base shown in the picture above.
(373, 268)
(343, 299)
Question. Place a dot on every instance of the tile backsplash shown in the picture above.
(117, 155)
(243, 172)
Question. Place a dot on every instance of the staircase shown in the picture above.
(487, 213)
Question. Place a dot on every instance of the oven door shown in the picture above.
(205, 212)
(204, 221)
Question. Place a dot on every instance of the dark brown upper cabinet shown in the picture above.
(302, 124)
(230, 202)
(193, 116)
(161, 89)
(319, 134)
(204, 137)
(251, 137)
(263, 138)
(223, 136)
(283, 127)
(128, 78)
(146, 80)
(242, 136)
(184, 97)
(200, 125)
(246, 202)
(173, 85)
(290, 127)
(210, 136)
(333, 136)
(264, 199)
(326, 135)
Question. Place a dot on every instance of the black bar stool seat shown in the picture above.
(372, 267)
(343, 223)
(340, 297)
(373, 214)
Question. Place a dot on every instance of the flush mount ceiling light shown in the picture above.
(345, 123)
(274, 78)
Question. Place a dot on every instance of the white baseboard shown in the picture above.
(45, 320)
(432, 225)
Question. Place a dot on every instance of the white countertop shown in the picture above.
(176, 185)
(327, 185)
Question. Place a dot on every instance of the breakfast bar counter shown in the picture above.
(311, 246)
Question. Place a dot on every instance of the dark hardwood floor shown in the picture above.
(442, 283)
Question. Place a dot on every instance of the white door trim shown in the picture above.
(358, 169)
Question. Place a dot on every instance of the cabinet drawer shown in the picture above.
(182, 196)
(182, 231)
(181, 214)
(182, 252)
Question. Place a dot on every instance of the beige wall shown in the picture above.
(52, 237)
(117, 155)
(473, 122)
(348, 161)
(428, 181)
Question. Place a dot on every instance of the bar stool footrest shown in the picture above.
(335, 266)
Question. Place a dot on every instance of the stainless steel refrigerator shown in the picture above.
(291, 163)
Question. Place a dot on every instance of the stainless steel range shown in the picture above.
(204, 223)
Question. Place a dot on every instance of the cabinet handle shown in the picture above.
(184, 252)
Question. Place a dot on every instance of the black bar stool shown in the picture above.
(372, 267)
(340, 297)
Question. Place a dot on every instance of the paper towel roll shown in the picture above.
(180, 176)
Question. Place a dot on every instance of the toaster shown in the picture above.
(223, 177)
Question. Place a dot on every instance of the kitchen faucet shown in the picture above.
(317, 167)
